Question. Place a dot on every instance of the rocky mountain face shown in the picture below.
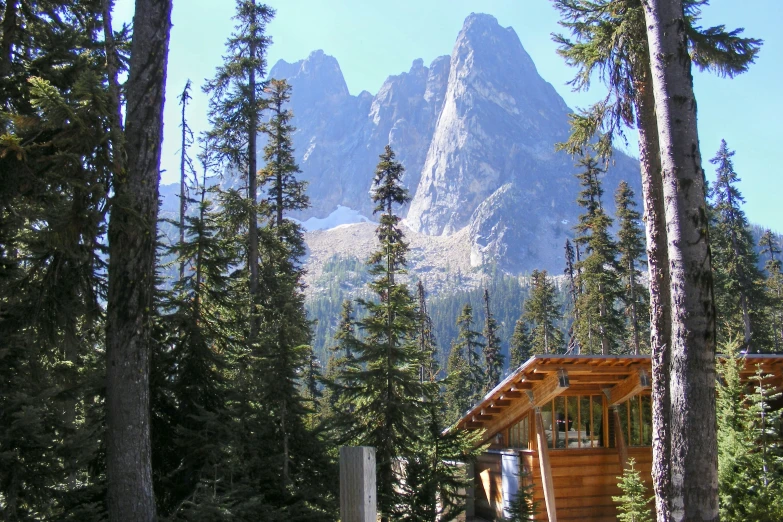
(476, 133)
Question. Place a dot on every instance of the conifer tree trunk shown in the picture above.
(252, 182)
(131, 272)
(9, 33)
(658, 270)
(685, 447)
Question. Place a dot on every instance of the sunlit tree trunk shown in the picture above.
(685, 466)
(132, 271)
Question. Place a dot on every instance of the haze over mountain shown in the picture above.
(476, 133)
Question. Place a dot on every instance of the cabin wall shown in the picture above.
(585, 481)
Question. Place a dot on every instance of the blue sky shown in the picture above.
(372, 40)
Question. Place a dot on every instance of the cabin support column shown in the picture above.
(619, 439)
(546, 469)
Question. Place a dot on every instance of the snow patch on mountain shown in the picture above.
(340, 216)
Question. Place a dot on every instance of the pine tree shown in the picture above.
(55, 170)
(235, 107)
(520, 346)
(492, 354)
(341, 369)
(633, 504)
(428, 350)
(630, 246)
(612, 40)
(748, 458)
(436, 473)
(523, 507)
(132, 240)
(571, 272)
(739, 295)
(194, 361)
(387, 392)
(542, 313)
(599, 326)
(774, 286)
(185, 166)
(466, 373)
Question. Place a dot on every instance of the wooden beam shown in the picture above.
(630, 387)
(501, 403)
(546, 468)
(590, 368)
(511, 394)
(549, 388)
(619, 439)
(541, 393)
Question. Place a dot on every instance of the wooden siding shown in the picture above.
(585, 481)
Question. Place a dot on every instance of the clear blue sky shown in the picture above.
(372, 39)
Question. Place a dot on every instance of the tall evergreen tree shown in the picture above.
(465, 371)
(573, 291)
(428, 350)
(387, 393)
(599, 326)
(520, 346)
(749, 465)
(235, 107)
(185, 166)
(542, 313)
(739, 294)
(196, 356)
(284, 330)
(630, 246)
(341, 368)
(129, 302)
(612, 40)
(492, 354)
(774, 286)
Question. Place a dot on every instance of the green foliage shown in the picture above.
(465, 372)
(630, 247)
(599, 325)
(520, 346)
(634, 504)
(54, 179)
(750, 469)
(774, 287)
(523, 507)
(492, 355)
(388, 397)
(739, 290)
(610, 43)
(542, 314)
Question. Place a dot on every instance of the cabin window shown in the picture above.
(574, 421)
(519, 434)
(636, 420)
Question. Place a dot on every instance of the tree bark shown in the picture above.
(131, 271)
(685, 448)
(9, 27)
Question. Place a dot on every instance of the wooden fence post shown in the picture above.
(357, 484)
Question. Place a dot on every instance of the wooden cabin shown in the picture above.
(570, 423)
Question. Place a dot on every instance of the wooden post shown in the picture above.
(546, 469)
(619, 439)
(357, 484)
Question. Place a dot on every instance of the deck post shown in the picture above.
(546, 469)
(357, 484)
(619, 439)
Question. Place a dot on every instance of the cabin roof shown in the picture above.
(543, 377)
